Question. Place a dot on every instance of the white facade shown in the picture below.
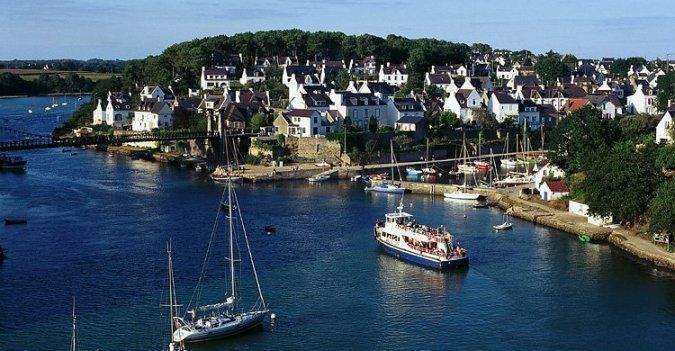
(581, 209)
(548, 195)
(463, 103)
(641, 102)
(359, 108)
(393, 75)
(664, 127)
(507, 108)
(157, 117)
(547, 171)
(117, 112)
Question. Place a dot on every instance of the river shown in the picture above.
(98, 227)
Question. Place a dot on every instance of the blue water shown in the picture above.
(14, 113)
(98, 228)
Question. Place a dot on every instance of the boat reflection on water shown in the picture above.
(401, 280)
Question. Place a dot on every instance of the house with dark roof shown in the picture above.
(396, 75)
(217, 77)
(608, 104)
(464, 102)
(399, 107)
(380, 89)
(116, 111)
(367, 66)
(252, 75)
(222, 113)
(303, 123)
(503, 106)
(151, 114)
(413, 124)
(643, 100)
(359, 107)
(665, 126)
(441, 80)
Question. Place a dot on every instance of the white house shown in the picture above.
(506, 72)
(359, 107)
(546, 170)
(154, 92)
(608, 104)
(399, 107)
(216, 77)
(367, 66)
(664, 128)
(152, 114)
(441, 80)
(116, 112)
(642, 101)
(396, 75)
(464, 102)
(553, 190)
(503, 106)
(303, 123)
(252, 76)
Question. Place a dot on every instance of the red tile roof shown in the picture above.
(557, 186)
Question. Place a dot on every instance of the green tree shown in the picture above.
(621, 66)
(259, 120)
(342, 79)
(579, 134)
(372, 124)
(550, 67)
(281, 140)
(662, 208)
(634, 127)
(666, 85)
(448, 119)
(665, 158)
(434, 90)
(620, 180)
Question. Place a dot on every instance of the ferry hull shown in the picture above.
(424, 261)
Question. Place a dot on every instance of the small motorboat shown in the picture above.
(386, 188)
(461, 195)
(225, 178)
(48, 108)
(584, 238)
(30, 111)
(73, 154)
(318, 178)
(110, 154)
(270, 229)
(355, 178)
(480, 205)
(413, 172)
(9, 221)
(504, 226)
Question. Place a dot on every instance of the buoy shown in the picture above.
(273, 317)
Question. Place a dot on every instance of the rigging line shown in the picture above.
(197, 292)
(248, 248)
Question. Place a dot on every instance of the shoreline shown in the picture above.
(567, 222)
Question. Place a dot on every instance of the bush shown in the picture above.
(253, 159)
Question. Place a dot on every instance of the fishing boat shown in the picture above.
(12, 162)
(413, 172)
(504, 226)
(318, 178)
(401, 236)
(234, 314)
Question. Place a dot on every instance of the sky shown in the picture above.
(127, 29)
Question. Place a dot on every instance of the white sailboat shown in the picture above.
(229, 317)
(460, 193)
(509, 162)
(427, 169)
(504, 226)
(388, 188)
(466, 167)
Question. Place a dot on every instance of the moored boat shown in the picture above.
(412, 171)
(318, 178)
(12, 162)
(386, 188)
(401, 236)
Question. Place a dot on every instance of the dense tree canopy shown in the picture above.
(621, 66)
(550, 67)
(666, 85)
(620, 181)
(11, 84)
(579, 134)
(662, 208)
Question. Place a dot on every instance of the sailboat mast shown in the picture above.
(229, 210)
(391, 150)
(171, 292)
(73, 339)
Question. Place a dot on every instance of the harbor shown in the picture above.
(108, 220)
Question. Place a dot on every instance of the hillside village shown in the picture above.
(491, 89)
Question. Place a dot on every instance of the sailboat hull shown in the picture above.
(462, 196)
(240, 324)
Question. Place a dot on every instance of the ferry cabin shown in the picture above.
(401, 230)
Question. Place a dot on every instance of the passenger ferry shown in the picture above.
(401, 236)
